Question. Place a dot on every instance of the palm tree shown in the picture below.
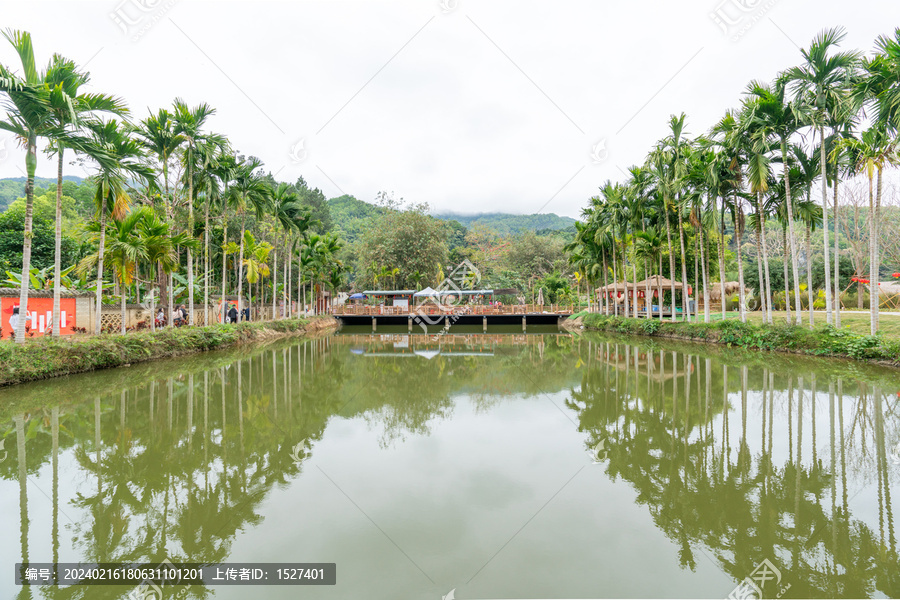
(758, 175)
(189, 123)
(636, 200)
(157, 135)
(307, 263)
(248, 189)
(881, 86)
(210, 179)
(256, 260)
(808, 170)
(325, 252)
(28, 115)
(670, 167)
(227, 248)
(779, 119)
(611, 214)
(336, 278)
(70, 109)
(287, 210)
(161, 251)
(112, 140)
(649, 246)
(733, 141)
(122, 247)
(699, 187)
(873, 151)
(822, 83)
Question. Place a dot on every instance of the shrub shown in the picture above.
(826, 340)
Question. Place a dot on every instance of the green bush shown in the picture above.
(827, 340)
(46, 357)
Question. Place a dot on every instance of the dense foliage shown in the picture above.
(738, 203)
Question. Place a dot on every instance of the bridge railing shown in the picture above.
(461, 309)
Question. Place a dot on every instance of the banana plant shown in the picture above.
(41, 279)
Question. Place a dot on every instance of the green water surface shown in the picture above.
(499, 465)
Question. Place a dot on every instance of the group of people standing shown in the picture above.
(231, 315)
(180, 315)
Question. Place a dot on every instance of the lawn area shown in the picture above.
(855, 321)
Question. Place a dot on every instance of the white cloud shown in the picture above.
(491, 107)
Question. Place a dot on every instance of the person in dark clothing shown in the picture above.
(245, 314)
(232, 314)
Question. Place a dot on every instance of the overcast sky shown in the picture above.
(470, 106)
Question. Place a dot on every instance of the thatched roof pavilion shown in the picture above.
(657, 281)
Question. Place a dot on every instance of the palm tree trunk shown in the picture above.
(100, 252)
(625, 302)
(206, 261)
(274, 282)
(660, 288)
(740, 262)
(122, 290)
(790, 217)
(787, 285)
(765, 255)
(876, 258)
(604, 307)
(153, 309)
(684, 283)
(171, 321)
(823, 159)
(648, 293)
(837, 256)
(241, 266)
(30, 166)
(223, 304)
(809, 288)
(697, 271)
(286, 310)
(634, 275)
(871, 223)
(761, 292)
(720, 242)
(615, 281)
(171, 216)
(55, 325)
(704, 274)
(190, 253)
(671, 262)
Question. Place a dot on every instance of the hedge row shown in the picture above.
(823, 341)
(47, 357)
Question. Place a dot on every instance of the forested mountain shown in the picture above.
(505, 223)
(14, 187)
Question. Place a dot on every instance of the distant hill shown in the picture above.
(349, 216)
(14, 187)
(505, 223)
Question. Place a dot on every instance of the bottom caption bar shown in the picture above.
(169, 574)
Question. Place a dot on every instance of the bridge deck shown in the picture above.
(442, 320)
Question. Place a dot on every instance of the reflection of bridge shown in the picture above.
(443, 316)
(450, 343)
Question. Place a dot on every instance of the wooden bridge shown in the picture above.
(443, 316)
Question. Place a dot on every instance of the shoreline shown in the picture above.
(822, 341)
(46, 358)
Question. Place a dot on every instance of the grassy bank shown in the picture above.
(821, 341)
(43, 358)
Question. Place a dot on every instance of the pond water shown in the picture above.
(498, 465)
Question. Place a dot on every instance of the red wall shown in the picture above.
(41, 311)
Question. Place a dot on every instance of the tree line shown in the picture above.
(159, 185)
(833, 117)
